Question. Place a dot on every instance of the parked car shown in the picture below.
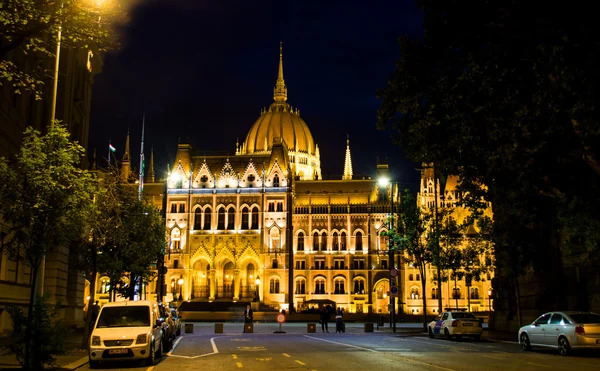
(562, 330)
(177, 320)
(168, 325)
(126, 330)
(455, 324)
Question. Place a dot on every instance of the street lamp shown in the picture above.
(384, 182)
(490, 299)
(257, 282)
(180, 282)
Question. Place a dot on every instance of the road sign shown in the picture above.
(394, 291)
(393, 272)
(280, 318)
(393, 282)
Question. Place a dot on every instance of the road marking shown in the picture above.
(374, 351)
(483, 355)
(391, 350)
(239, 364)
(237, 339)
(264, 359)
(252, 349)
(150, 368)
(174, 346)
(234, 356)
(214, 346)
(453, 347)
(300, 363)
(537, 364)
(286, 355)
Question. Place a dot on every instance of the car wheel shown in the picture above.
(447, 334)
(525, 344)
(94, 364)
(150, 359)
(431, 335)
(563, 346)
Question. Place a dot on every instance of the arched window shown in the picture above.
(276, 181)
(104, 285)
(231, 218)
(197, 219)
(410, 277)
(414, 293)
(323, 241)
(221, 219)
(343, 241)
(274, 286)
(434, 293)
(335, 242)
(474, 293)
(456, 293)
(301, 241)
(300, 286)
(319, 286)
(339, 286)
(207, 219)
(359, 241)
(175, 239)
(245, 220)
(254, 224)
(275, 239)
(383, 242)
(315, 241)
(359, 286)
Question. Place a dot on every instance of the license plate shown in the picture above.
(117, 351)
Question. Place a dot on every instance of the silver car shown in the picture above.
(562, 330)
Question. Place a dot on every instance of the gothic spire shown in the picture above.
(126, 162)
(151, 167)
(348, 161)
(280, 91)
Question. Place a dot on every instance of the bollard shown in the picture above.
(218, 328)
(368, 326)
(311, 327)
(189, 328)
(249, 328)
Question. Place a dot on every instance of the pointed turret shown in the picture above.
(126, 162)
(347, 161)
(280, 91)
(151, 167)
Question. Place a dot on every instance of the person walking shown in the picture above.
(248, 316)
(339, 321)
(324, 319)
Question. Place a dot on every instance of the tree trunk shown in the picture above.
(32, 296)
(424, 296)
(518, 293)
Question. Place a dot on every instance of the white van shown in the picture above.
(126, 330)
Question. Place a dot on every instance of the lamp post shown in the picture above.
(490, 300)
(385, 182)
(180, 282)
(257, 283)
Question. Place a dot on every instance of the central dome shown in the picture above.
(281, 122)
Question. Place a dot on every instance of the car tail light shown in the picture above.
(455, 323)
(580, 330)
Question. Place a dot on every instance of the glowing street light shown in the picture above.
(180, 282)
(257, 282)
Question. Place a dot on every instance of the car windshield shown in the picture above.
(463, 315)
(130, 316)
(585, 318)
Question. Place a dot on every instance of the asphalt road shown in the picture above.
(354, 350)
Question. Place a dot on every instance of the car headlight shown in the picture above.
(141, 339)
(96, 340)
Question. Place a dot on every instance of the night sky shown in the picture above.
(203, 70)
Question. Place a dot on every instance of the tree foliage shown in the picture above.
(507, 99)
(29, 28)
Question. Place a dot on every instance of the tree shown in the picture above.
(506, 100)
(408, 239)
(43, 194)
(451, 258)
(30, 28)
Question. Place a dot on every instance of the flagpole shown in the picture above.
(109, 153)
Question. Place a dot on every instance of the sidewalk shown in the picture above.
(77, 357)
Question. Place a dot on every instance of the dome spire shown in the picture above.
(348, 162)
(280, 91)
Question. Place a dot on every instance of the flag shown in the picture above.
(112, 149)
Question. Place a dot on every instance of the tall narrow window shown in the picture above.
(301, 241)
(182, 207)
(274, 286)
(245, 220)
(343, 241)
(359, 241)
(276, 181)
(231, 218)
(320, 286)
(334, 242)
(254, 224)
(221, 217)
(323, 241)
(359, 287)
(339, 286)
(197, 219)
(207, 217)
(315, 241)
(279, 206)
(300, 286)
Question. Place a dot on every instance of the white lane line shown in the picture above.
(375, 351)
(214, 346)
(537, 364)
(492, 357)
(174, 346)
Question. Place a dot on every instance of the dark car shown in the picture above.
(168, 325)
(177, 320)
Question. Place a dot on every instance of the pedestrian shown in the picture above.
(324, 319)
(339, 322)
(248, 316)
